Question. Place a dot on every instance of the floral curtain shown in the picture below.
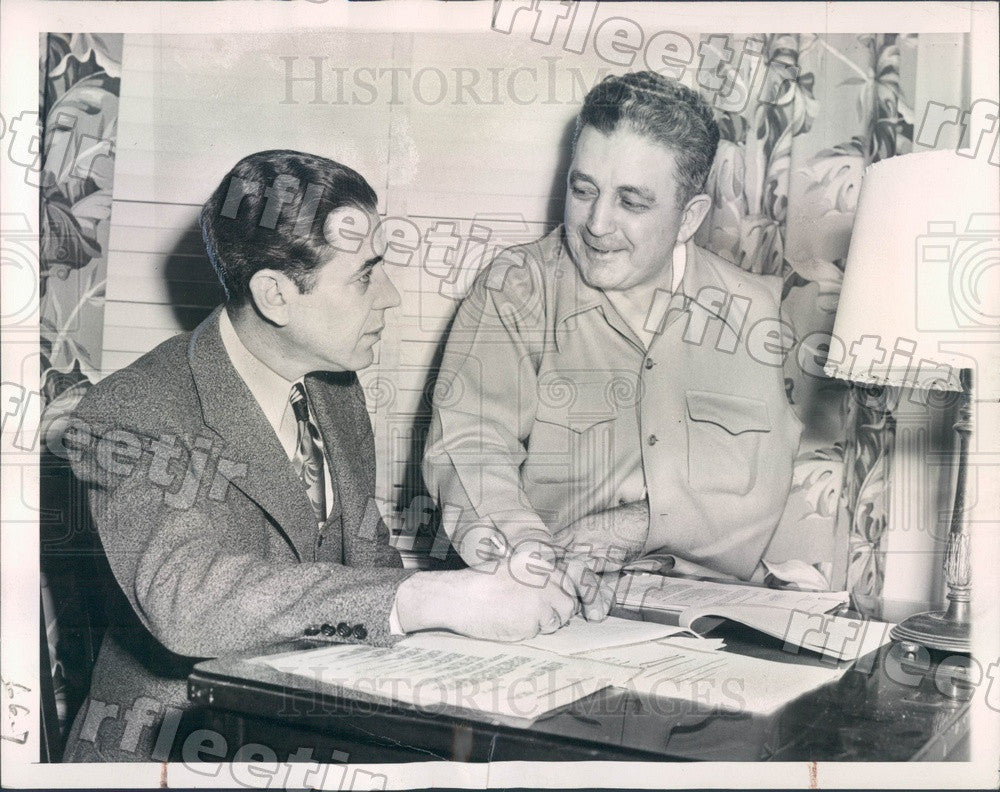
(785, 186)
(80, 76)
(79, 101)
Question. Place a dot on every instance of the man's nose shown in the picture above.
(388, 296)
(600, 221)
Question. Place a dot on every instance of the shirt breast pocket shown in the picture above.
(565, 448)
(724, 437)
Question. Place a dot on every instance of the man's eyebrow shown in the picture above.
(369, 265)
(642, 192)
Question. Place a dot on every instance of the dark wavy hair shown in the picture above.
(268, 212)
(662, 109)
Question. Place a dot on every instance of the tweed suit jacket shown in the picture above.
(210, 536)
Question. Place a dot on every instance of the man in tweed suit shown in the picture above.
(231, 470)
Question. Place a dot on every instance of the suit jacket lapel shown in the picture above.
(231, 411)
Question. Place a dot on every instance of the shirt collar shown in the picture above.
(269, 388)
(574, 295)
(680, 265)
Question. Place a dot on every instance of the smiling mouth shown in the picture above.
(602, 251)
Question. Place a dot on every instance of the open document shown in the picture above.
(832, 636)
(519, 682)
(442, 670)
(668, 662)
(619, 637)
(716, 680)
(799, 618)
(644, 591)
(582, 636)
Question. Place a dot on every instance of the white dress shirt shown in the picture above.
(271, 391)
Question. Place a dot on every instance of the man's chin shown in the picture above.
(599, 277)
(364, 358)
(602, 275)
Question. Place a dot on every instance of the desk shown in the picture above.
(877, 711)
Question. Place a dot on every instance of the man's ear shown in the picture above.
(694, 214)
(272, 293)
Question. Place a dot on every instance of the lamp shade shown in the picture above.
(921, 291)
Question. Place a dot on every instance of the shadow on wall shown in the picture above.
(557, 201)
(192, 284)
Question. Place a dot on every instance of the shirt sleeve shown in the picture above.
(484, 408)
(394, 626)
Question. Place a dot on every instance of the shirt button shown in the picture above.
(312, 629)
(344, 630)
(328, 630)
(360, 632)
(652, 439)
(649, 363)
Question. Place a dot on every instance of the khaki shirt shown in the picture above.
(548, 408)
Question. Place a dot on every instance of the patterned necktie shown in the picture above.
(308, 457)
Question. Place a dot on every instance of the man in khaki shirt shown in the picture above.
(612, 390)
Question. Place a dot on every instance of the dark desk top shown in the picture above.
(881, 709)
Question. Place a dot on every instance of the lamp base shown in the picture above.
(933, 630)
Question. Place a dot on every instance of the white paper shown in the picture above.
(835, 636)
(581, 635)
(673, 595)
(839, 637)
(640, 656)
(436, 671)
(728, 682)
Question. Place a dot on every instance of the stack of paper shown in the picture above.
(675, 595)
(729, 682)
(836, 636)
(524, 681)
(442, 670)
(800, 619)
(664, 661)
(644, 655)
(694, 671)
(582, 636)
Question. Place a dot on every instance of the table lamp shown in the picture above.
(919, 309)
